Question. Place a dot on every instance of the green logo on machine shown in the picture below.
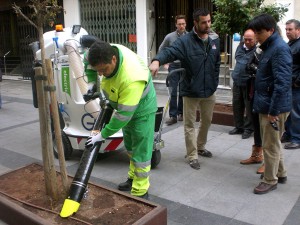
(65, 77)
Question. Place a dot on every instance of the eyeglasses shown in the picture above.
(181, 24)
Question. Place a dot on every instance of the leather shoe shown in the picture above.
(236, 131)
(264, 188)
(126, 186)
(171, 121)
(205, 153)
(292, 145)
(246, 134)
(195, 164)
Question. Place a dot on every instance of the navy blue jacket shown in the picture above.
(202, 64)
(295, 48)
(273, 93)
(242, 57)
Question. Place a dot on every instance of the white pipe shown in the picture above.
(76, 64)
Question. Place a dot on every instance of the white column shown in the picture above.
(141, 29)
(72, 13)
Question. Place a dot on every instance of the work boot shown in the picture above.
(261, 169)
(144, 196)
(256, 156)
(126, 186)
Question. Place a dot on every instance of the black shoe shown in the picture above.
(126, 186)
(236, 131)
(171, 121)
(205, 153)
(144, 196)
(281, 180)
(195, 164)
(246, 134)
(292, 145)
(285, 138)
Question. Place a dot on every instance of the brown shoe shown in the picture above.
(197, 116)
(256, 156)
(261, 169)
(264, 188)
(171, 121)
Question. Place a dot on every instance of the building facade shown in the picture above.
(138, 24)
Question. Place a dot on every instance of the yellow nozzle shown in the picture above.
(69, 207)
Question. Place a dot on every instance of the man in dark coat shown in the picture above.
(272, 98)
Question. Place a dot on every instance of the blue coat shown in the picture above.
(273, 94)
(242, 57)
(202, 64)
(295, 48)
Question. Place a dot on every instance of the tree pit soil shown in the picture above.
(102, 206)
(225, 108)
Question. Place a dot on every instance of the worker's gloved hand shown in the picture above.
(93, 140)
(92, 88)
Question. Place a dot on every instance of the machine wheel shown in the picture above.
(68, 150)
(156, 157)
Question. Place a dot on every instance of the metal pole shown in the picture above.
(5, 61)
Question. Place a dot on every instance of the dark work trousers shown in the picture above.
(292, 124)
(256, 126)
(173, 83)
(241, 104)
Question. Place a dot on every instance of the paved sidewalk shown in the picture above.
(221, 192)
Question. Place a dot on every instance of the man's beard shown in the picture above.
(202, 31)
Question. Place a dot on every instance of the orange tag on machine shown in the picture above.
(95, 132)
(132, 38)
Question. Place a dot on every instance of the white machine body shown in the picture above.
(79, 116)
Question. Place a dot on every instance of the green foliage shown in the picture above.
(232, 16)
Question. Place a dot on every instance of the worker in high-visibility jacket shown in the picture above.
(127, 84)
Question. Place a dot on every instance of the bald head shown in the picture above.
(249, 38)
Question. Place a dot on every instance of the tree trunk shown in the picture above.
(57, 128)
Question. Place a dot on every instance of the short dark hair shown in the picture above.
(200, 12)
(294, 21)
(263, 21)
(178, 17)
(100, 52)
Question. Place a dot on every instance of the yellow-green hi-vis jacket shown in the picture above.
(130, 91)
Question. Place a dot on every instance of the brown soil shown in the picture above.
(226, 108)
(102, 206)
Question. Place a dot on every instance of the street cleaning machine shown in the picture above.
(74, 82)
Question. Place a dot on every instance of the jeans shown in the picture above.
(292, 124)
(173, 83)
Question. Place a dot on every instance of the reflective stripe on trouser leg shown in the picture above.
(131, 166)
(138, 140)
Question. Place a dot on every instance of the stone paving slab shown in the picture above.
(221, 192)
